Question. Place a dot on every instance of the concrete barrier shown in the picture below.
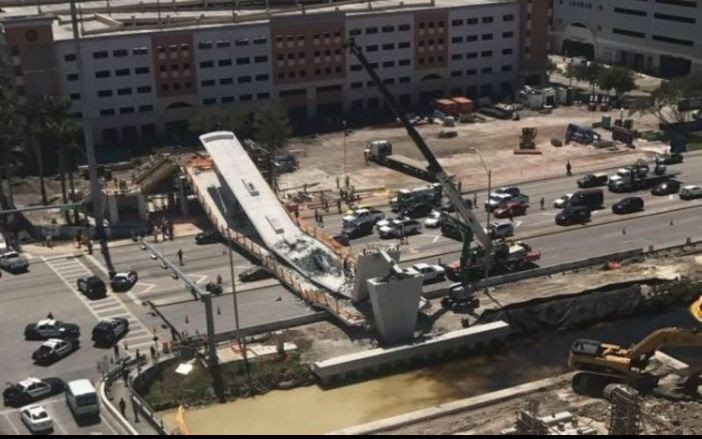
(354, 365)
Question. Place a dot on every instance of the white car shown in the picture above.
(560, 203)
(435, 219)
(499, 230)
(690, 192)
(36, 419)
(431, 273)
(363, 215)
(390, 222)
(14, 262)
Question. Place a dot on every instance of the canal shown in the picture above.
(313, 410)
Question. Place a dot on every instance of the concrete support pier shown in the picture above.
(395, 306)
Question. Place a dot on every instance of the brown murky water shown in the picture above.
(312, 410)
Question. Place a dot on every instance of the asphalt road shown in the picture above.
(27, 298)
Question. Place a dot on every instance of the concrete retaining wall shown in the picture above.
(355, 365)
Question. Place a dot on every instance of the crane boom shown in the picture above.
(434, 167)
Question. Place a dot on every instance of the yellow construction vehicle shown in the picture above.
(601, 364)
(696, 309)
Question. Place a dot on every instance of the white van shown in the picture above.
(82, 399)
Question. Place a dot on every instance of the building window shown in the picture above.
(471, 55)
(140, 51)
(388, 29)
(103, 74)
(487, 37)
(260, 40)
(371, 30)
(356, 68)
(404, 62)
(457, 22)
(372, 48)
(487, 20)
(120, 53)
(404, 27)
(264, 95)
(224, 62)
(124, 91)
(126, 110)
(507, 34)
(486, 70)
(209, 101)
(144, 89)
(245, 98)
(227, 99)
(456, 40)
(389, 81)
(226, 81)
(75, 96)
(403, 45)
(72, 77)
(222, 44)
(241, 42)
(141, 70)
(470, 38)
(471, 21)
(486, 53)
(207, 83)
(69, 57)
(206, 64)
(355, 32)
(356, 85)
(107, 112)
(122, 72)
(456, 73)
(264, 77)
(242, 61)
(245, 79)
(456, 57)
(471, 72)
(388, 64)
(508, 17)
(404, 79)
(261, 59)
(507, 51)
(205, 45)
(146, 108)
(100, 55)
(388, 46)
(507, 68)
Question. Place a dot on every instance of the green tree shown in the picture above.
(571, 72)
(663, 101)
(272, 129)
(620, 79)
(10, 139)
(220, 119)
(588, 73)
(551, 67)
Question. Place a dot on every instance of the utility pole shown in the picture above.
(95, 188)
(345, 170)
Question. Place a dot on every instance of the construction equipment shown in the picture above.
(580, 134)
(527, 142)
(638, 177)
(487, 251)
(380, 152)
(604, 363)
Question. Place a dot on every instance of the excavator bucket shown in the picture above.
(696, 309)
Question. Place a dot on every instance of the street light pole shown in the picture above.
(343, 122)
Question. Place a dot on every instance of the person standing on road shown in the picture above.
(180, 256)
(171, 231)
(543, 203)
(219, 280)
(122, 406)
(569, 169)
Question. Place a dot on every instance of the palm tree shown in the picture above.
(33, 122)
(63, 133)
(8, 137)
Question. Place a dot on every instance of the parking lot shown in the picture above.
(27, 298)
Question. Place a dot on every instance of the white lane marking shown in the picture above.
(73, 290)
(436, 238)
(9, 421)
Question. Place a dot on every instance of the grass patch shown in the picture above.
(169, 389)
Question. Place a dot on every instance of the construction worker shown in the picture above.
(171, 231)
(219, 280)
(122, 406)
(543, 203)
(180, 256)
(89, 244)
(338, 206)
(569, 169)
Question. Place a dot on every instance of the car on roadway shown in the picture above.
(562, 202)
(31, 390)
(108, 331)
(124, 281)
(54, 350)
(447, 205)
(363, 216)
(358, 230)
(430, 272)
(669, 159)
(51, 328)
(207, 237)
(500, 230)
(36, 419)
(667, 188)
(14, 262)
(390, 221)
(403, 228)
(511, 210)
(435, 219)
(500, 199)
(418, 211)
(593, 180)
(690, 192)
(92, 287)
(573, 215)
(255, 273)
(628, 205)
(342, 239)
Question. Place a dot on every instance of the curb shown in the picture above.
(114, 412)
(454, 407)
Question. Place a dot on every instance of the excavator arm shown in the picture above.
(671, 337)
(434, 167)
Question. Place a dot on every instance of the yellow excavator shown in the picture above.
(601, 364)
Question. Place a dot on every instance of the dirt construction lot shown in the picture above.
(322, 157)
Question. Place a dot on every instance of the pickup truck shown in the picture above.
(363, 216)
(13, 262)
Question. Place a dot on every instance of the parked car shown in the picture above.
(124, 281)
(690, 192)
(50, 328)
(207, 237)
(14, 262)
(573, 215)
(593, 180)
(108, 331)
(255, 273)
(92, 287)
(562, 202)
(404, 228)
(363, 215)
(430, 272)
(628, 205)
(435, 219)
(511, 210)
(499, 230)
(667, 188)
(54, 350)
(418, 211)
(36, 419)
(30, 390)
(669, 159)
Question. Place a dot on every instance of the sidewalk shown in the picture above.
(118, 391)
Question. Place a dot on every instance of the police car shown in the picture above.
(50, 328)
(31, 390)
(55, 349)
(124, 281)
(108, 331)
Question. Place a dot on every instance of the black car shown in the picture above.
(342, 239)
(92, 287)
(31, 390)
(669, 159)
(667, 188)
(50, 328)
(54, 350)
(358, 230)
(592, 180)
(573, 215)
(107, 332)
(208, 237)
(418, 211)
(254, 274)
(124, 281)
(628, 205)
